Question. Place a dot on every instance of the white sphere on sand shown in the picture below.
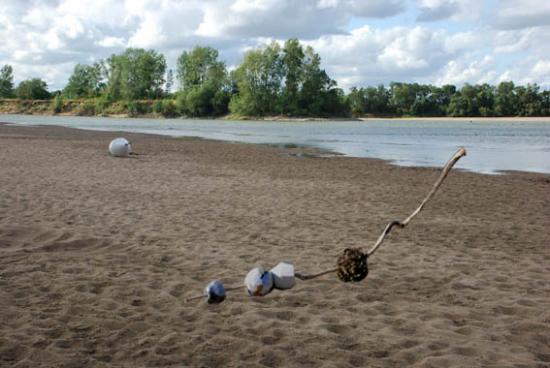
(120, 147)
(283, 276)
(258, 282)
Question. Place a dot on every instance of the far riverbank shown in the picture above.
(165, 109)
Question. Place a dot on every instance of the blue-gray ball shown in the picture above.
(215, 292)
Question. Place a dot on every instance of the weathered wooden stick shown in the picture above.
(305, 276)
(196, 297)
(401, 224)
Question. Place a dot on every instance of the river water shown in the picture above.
(493, 146)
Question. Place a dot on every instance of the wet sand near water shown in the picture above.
(97, 256)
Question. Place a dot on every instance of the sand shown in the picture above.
(97, 256)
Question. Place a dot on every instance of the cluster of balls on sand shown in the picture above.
(258, 282)
(351, 265)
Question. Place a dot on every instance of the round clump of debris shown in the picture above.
(352, 265)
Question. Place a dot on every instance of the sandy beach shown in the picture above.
(98, 254)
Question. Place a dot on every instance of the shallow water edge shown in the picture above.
(493, 146)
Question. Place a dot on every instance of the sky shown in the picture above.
(361, 43)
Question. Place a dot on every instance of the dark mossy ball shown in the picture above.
(352, 265)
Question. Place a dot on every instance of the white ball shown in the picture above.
(120, 147)
(258, 282)
(283, 276)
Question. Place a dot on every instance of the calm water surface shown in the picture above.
(492, 146)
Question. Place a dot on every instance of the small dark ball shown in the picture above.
(215, 292)
(352, 265)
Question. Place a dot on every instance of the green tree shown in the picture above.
(86, 81)
(505, 99)
(458, 106)
(470, 95)
(333, 103)
(169, 82)
(427, 101)
(203, 83)
(486, 99)
(199, 66)
(545, 103)
(425, 105)
(469, 100)
(135, 74)
(316, 83)
(273, 81)
(293, 70)
(403, 96)
(442, 96)
(357, 101)
(319, 95)
(529, 100)
(32, 89)
(377, 100)
(258, 82)
(6, 81)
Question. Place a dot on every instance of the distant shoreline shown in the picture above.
(541, 119)
(118, 110)
(544, 119)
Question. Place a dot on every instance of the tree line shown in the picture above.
(484, 100)
(271, 80)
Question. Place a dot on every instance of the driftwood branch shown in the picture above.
(305, 276)
(401, 224)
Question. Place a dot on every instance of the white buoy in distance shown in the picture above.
(258, 282)
(120, 147)
(283, 276)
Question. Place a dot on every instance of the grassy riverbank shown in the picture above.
(167, 109)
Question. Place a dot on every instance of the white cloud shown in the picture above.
(465, 41)
(437, 10)
(466, 70)
(112, 42)
(528, 42)
(46, 38)
(243, 19)
(528, 71)
(457, 10)
(516, 14)
(514, 41)
(372, 56)
(542, 68)
(376, 8)
(164, 24)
